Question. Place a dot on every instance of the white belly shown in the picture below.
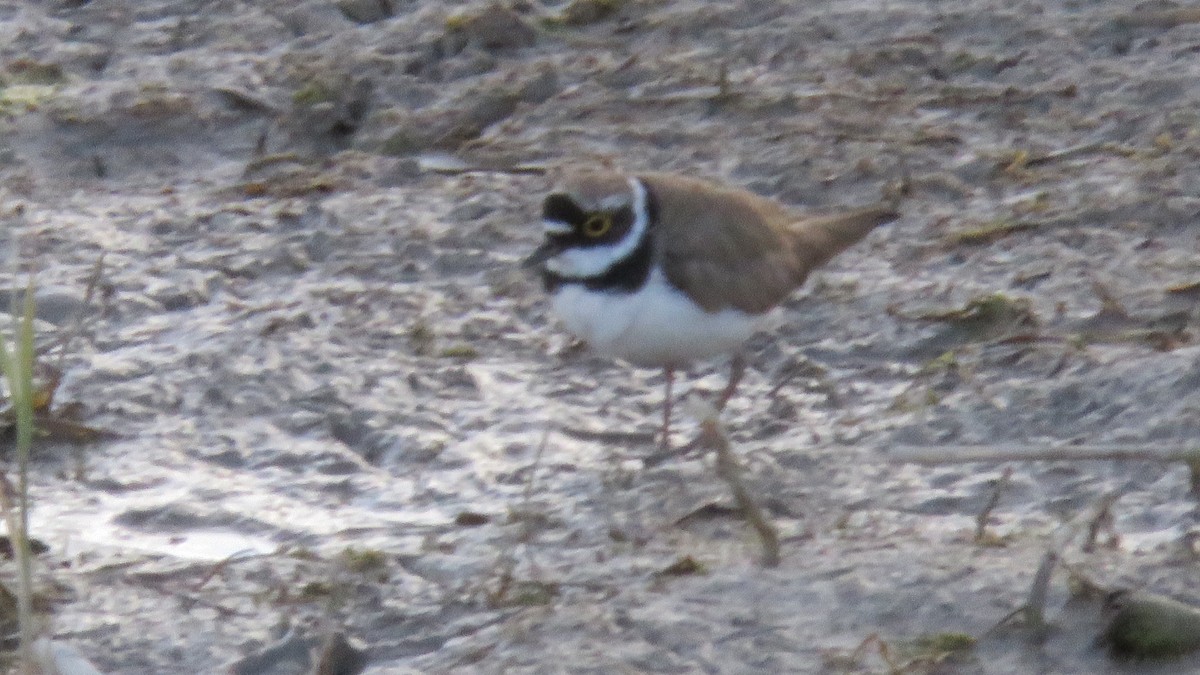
(656, 326)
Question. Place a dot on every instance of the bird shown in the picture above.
(662, 270)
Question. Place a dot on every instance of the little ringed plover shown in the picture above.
(661, 270)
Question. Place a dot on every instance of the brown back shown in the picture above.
(728, 248)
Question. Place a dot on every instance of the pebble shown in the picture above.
(495, 27)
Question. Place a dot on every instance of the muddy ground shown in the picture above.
(337, 404)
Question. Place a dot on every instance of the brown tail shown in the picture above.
(820, 238)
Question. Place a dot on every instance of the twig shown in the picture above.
(517, 170)
(1002, 95)
(458, 169)
(80, 318)
(881, 646)
(219, 567)
(981, 521)
(1076, 150)
(506, 560)
(1163, 19)
(1034, 610)
(723, 81)
(705, 93)
(731, 472)
(965, 454)
(1102, 518)
(614, 437)
(533, 468)
(791, 370)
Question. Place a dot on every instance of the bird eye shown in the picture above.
(597, 225)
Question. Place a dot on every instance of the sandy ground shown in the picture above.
(330, 383)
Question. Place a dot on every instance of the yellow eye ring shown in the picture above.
(597, 226)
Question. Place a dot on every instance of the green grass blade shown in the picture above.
(6, 369)
(24, 370)
(17, 365)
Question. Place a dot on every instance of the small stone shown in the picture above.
(319, 246)
(399, 171)
(407, 137)
(366, 11)
(57, 307)
(316, 17)
(338, 656)
(583, 12)
(543, 85)
(495, 27)
(484, 109)
(469, 210)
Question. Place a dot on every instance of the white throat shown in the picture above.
(594, 261)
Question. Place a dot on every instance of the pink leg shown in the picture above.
(665, 442)
(737, 368)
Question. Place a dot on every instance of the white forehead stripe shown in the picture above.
(594, 261)
(612, 203)
(556, 227)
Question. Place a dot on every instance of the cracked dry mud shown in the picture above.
(330, 381)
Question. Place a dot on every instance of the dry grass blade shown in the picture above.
(1035, 606)
(1033, 612)
(731, 472)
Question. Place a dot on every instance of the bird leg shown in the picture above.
(737, 368)
(664, 444)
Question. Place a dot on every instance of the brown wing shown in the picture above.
(729, 248)
(726, 248)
